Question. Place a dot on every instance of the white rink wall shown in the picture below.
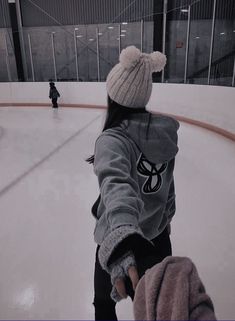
(214, 105)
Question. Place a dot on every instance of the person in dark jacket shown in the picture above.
(53, 94)
(134, 162)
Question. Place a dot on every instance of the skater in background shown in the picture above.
(53, 94)
(134, 162)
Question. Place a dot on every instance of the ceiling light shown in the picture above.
(79, 36)
(197, 37)
(222, 33)
(91, 39)
(100, 33)
(125, 30)
(125, 23)
(122, 35)
(76, 29)
(184, 10)
(110, 27)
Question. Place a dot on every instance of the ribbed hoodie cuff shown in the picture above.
(111, 242)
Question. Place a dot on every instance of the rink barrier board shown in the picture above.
(190, 121)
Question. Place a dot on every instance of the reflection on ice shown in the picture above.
(26, 298)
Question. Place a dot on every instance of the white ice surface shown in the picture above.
(46, 230)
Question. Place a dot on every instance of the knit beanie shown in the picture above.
(129, 83)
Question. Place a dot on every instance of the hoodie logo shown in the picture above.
(153, 174)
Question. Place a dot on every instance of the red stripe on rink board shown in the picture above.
(190, 121)
(49, 105)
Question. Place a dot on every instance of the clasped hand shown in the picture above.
(120, 269)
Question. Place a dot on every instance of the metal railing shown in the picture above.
(220, 68)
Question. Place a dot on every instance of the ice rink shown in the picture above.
(46, 231)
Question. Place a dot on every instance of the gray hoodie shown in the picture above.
(135, 175)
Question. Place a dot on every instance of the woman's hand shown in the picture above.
(124, 276)
(118, 255)
(120, 283)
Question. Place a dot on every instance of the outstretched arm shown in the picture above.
(119, 191)
(125, 241)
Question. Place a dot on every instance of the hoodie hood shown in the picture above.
(159, 143)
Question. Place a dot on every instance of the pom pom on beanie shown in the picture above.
(129, 57)
(158, 61)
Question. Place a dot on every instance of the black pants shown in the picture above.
(54, 102)
(104, 305)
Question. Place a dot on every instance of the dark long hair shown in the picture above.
(115, 115)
